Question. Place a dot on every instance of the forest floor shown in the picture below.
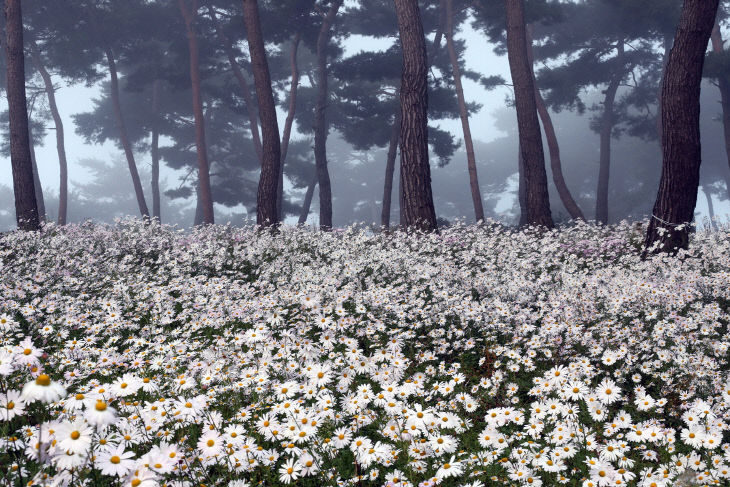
(141, 355)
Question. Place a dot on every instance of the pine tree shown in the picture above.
(673, 212)
(26, 207)
(417, 200)
(536, 192)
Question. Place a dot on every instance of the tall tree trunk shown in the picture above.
(607, 123)
(320, 123)
(253, 124)
(665, 58)
(390, 168)
(126, 144)
(416, 198)
(155, 150)
(198, 219)
(724, 85)
(476, 196)
(36, 177)
(266, 214)
(521, 188)
(675, 204)
(538, 203)
(556, 165)
(60, 139)
(189, 13)
(307, 203)
(288, 124)
(26, 207)
(710, 207)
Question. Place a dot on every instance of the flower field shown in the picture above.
(141, 355)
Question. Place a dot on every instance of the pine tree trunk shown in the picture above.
(40, 202)
(198, 219)
(253, 124)
(665, 58)
(417, 207)
(556, 165)
(126, 144)
(476, 196)
(607, 123)
(536, 189)
(390, 168)
(521, 188)
(320, 123)
(26, 207)
(60, 139)
(266, 214)
(189, 14)
(677, 196)
(307, 203)
(155, 150)
(724, 86)
(288, 124)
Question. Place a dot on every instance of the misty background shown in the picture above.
(100, 187)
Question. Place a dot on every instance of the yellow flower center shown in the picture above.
(43, 380)
(100, 406)
(75, 435)
(115, 460)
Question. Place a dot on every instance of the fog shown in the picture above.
(100, 187)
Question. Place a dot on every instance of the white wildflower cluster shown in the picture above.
(139, 355)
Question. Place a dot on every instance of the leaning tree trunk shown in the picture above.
(417, 208)
(126, 144)
(189, 14)
(724, 85)
(26, 207)
(476, 196)
(556, 165)
(36, 177)
(60, 139)
(536, 188)
(675, 203)
(155, 150)
(607, 123)
(307, 203)
(390, 168)
(253, 124)
(288, 124)
(320, 122)
(266, 214)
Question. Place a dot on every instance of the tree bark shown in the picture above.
(476, 196)
(40, 202)
(26, 207)
(320, 123)
(673, 210)
(60, 139)
(417, 207)
(724, 86)
(390, 168)
(189, 13)
(242, 83)
(521, 188)
(307, 203)
(556, 165)
(607, 123)
(288, 124)
(155, 150)
(537, 200)
(266, 214)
